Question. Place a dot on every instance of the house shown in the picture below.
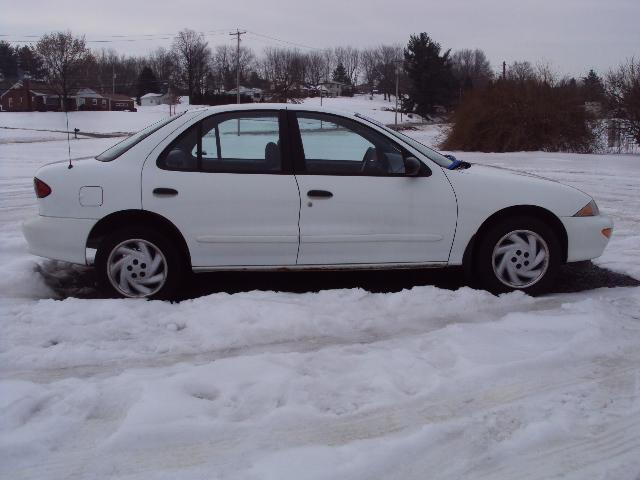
(256, 94)
(88, 99)
(332, 88)
(28, 96)
(150, 99)
(119, 102)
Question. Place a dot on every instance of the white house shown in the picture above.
(150, 99)
(255, 93)
(332, 88)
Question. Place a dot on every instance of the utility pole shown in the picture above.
(113, 78)
(237, 34)
(397, 62)
(504, 70)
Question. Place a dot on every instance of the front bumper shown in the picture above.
(585, 237)
(58, 238)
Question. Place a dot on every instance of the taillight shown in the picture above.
(41, 188)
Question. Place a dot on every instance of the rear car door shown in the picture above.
(228, 187)
(357, 204)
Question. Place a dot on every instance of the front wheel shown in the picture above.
(139, 263)
(520, 253)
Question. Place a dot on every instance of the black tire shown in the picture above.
(484, 262)
(174, 271)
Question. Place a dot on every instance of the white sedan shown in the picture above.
(273, 187)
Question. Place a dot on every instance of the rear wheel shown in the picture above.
(139, 263)
(520, 253)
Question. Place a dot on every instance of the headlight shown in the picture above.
(589, 210)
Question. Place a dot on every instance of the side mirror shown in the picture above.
(412, 166)
(180, 160)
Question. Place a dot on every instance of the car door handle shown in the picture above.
(165, 192)
(319, 194)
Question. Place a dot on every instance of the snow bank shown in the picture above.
(337, 384)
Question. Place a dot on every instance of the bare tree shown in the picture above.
(163, 64)
(389, 58)
(521, 71)
(284, 69)
(370, 67)
(349, 57)
(222, 67)
(623, 91)
(64, 57)
(329, 63)
(192, 56)
(471, 68)
(316, 67)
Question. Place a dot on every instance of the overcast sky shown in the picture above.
(571, 35)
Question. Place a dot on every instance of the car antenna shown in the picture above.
(66, 114)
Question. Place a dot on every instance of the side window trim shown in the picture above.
(286, 164)
(298, 149)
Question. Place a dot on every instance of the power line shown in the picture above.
(142, 37)
(283, 41)
(117, 38)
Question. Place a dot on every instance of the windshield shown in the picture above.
(121, 147)
(423, 149)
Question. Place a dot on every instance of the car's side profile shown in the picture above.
(274, 186)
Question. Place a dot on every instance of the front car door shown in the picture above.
(228, 187)
(357, 204)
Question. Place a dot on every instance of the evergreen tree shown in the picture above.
(593, 87)
(8, 61)
(147, 83)
(29, 62)
(431, 80)
(340, 75)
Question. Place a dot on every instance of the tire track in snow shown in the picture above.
(299, 345)
(230, 451)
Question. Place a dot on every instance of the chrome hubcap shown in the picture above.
(137, 268)
(520, 258)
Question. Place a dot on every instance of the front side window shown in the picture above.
(246, 142)
(336, 146)
(430, 153)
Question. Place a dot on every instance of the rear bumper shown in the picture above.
(585, 238)
(58, 238)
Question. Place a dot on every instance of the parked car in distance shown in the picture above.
(272, 187)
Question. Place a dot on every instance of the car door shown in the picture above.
(357, 204)
(226, 185)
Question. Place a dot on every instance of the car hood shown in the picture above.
(498, 187)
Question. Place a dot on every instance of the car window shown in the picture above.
(247, 142)
(430, 153)
(244, 142)
(121, 147)
(337, 146)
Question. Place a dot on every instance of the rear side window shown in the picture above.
(243, 142)
(121, 147)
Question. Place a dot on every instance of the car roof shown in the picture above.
(272, 106)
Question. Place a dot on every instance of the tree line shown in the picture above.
(193, 67)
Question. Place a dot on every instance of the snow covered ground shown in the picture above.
(342, 383)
